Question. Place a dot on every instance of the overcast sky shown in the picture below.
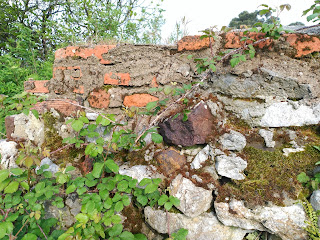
(206, 13)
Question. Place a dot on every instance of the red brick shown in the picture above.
(233, 40)
(117, 78)
(139, 100)
(63, 106)
(192, 43)
(154, 83)
(36, 86)
(84, 52)
(303, 43)
(99, 99)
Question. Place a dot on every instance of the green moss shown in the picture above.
(53, 141)
(269, 175)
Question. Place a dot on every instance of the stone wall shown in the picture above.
(233, 163)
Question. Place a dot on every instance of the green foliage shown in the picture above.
(313, 11)
(16, 104)
(312, 222)
(181, 234)
(245, 19)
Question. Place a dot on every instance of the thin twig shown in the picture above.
(15, 236)
(59, 149)
(39, 227)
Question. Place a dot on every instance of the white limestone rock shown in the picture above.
(268, 138)
(140, 172)
(9, 152)
(203, 227)
(193, 200)
(233, 141)
(53, 168)
(231, 166)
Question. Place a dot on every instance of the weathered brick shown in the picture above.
(232, 39)
(117, 78)
(36, 86)
(62, 106)
(154, 83)
(192, 43)
(84, 52)
(139, 100)
(303, 43)
(99, 99)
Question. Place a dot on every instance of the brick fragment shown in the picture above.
(192, 43)
(79, 90)
(117, 78)
(139, 100)
(303, 43)
(63, 106)
(154, 83)
(99, 99)
(233, 40)
(75, 74)
(84, 52)
(36, 86)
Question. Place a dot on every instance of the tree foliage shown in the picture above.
(249, 19)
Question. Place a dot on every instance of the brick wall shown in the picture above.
(110, 77)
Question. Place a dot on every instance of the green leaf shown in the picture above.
(151, 188)
(115, 230)
(143, 200)
(25, 111)
(303, 178)
(12, 187)
(151, 105)
(81, 190)
(126, 236)
(126, 200)
(84, 119)
(117, 197)
(112, 165)
(140, 236)
(4, 174)
(82, 218)
(123, 185)
(29, 236)
(71, 189)
(167, 89)
(108, 203)
(156, 138)
(175, 201)
(104, 194)
(16, 171)
(25, 185)
(118, 207)
(69, 169)
(168, 206)
(312, 16)
(97, 169)
(163, 199)
(77, 125)
(35, 113)
(116, 219)
(62, 178)
(145, 181)
(182, 234)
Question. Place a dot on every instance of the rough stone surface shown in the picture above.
(201, 157)
(53, 168)
(231, 166)
(284, 114)
(74, 204)
(140, 172)
(8, 152)
(196, 130)
(170, 160)
(268, 138)
(315, 200)
(203, 227)
(193, 200)
(27, 128)
(233, 141)
(285, 222)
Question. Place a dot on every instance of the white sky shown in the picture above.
(205, 13)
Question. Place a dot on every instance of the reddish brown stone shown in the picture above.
(63, 106)
(170, 161)
(154, 83)
(192, 43)
(138, 100)
(303, 43)
(117, 78)
(9, 123)
(99, 99)
(233, 40)
(36, 86)
(84, 52)
(87, 165)
(196, 130)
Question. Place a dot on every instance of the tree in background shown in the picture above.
(249, 19)
(297, 24)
